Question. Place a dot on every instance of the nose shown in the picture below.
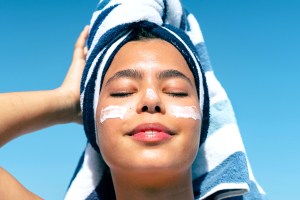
(151, 102)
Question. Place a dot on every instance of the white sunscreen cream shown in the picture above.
(112, 112)
(151, 94)
(187, 112)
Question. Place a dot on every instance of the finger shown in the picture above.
(79, 50)
(85, 51)
(80, 43)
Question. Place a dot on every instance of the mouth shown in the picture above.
(151, 133)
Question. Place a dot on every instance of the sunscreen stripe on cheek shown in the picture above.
(112, 112)
(187, 112)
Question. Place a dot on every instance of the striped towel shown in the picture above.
(221, 169)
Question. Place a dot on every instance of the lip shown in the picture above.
(151, 133)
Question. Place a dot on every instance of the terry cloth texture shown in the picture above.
(221, 169)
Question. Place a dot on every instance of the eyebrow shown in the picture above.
(135, 74)
(127, 73)
(173, 74)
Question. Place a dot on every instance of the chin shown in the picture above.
(157, 161)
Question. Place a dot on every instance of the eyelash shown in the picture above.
(178, 94)
(127, 94)
(121, 94)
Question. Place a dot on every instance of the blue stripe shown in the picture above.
(164, 16)
(221, 113)
(98, 23)
(102, 4)
(183, 21)
(206, 113)
(203, 56)
(235, 198)
(188, 28)
(88, 113)
(231, 170)
(88, 103)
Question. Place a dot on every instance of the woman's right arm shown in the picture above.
(24, 112)
(11, 189)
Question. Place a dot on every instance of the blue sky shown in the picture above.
(254, 49)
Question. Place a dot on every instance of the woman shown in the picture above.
(147, 110)
(159, 125)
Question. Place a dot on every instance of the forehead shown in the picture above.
(150, 55)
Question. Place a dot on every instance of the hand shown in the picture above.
(70, 89)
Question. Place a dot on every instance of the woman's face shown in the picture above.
(148, 115)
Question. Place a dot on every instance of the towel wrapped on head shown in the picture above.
(221, 169)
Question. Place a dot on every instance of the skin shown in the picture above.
(12, 189)
(24, 112)
(141, 170)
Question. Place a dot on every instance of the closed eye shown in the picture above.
(121, 94)
(178, 94)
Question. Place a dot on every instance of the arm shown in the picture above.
(24, 112)
(10, 188)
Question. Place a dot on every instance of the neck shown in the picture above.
(154, 186)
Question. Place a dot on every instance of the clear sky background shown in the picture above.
(254, 46)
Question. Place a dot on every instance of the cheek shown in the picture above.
(106, 141)
(196, 137)
(111, 141)
(191, 139)
(188, 120)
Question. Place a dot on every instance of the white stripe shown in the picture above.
(209, 156)
(216, 91)
(92, 67)
(241, 187)
(195, 34)
(88, 177)
(261, 191)
(129, 12)
(94, 17)
(174, 13)
(251, 176)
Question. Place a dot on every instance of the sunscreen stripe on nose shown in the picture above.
(151, 94)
